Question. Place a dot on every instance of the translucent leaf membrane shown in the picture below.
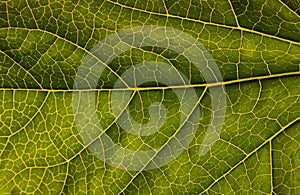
(255, 45)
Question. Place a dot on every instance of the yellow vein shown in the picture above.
(252, 152)
(234, 14)
(233, 145)
(95, 139)
(26, 71)
(30, 120)
(205, 23)
(34, 18)
(271, 168)
(166, 8)
(167, 142)
(70, 42)
(66, 177)
(35, 114)
(165, 87)
(285, 5)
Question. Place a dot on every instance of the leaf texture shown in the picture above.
(255, 44)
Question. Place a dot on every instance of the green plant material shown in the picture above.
(256, 45)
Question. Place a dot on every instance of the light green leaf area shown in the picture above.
(256, 45)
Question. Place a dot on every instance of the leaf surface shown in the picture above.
(255, 45)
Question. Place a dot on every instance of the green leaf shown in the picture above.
(255, 45)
